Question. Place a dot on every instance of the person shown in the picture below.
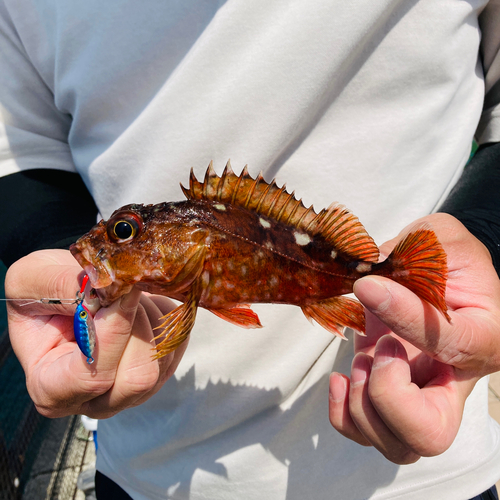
(372, 104)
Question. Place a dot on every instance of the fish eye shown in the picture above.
(83, 314)
(124, 227)
(124, 230)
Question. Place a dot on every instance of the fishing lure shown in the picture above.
(83, 325)
(83, 322)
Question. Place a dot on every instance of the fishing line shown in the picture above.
(83, 322)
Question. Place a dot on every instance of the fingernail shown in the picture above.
(385, 352)
(358, 376)
(337, 388)
(372, 294)
(359, 370)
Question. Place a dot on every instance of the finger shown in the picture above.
(136, 374)
(340, 417)
(466, 342)
(367, 418)
(424, 420)
(64, 380)
(169, 363)
(374, 329)
(44, 274)
(139, 375)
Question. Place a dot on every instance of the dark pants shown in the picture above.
(108, 490)
(491, 494)
(105, 489)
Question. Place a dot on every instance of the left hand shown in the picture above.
(413, 371)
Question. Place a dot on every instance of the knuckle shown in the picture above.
(94, 388)
(50, 412)
(141, 380)
(379, 394)
(405, 457)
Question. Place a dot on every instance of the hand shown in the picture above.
(59, 380)
(413, 371)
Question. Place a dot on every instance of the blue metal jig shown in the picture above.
(83, 325)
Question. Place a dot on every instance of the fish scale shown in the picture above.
(238, 240)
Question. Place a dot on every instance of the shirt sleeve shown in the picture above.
(33, 132)
(44, 202)
(474, 199)
(489, 126)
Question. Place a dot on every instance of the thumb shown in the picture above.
(405, 314)
(113, 326)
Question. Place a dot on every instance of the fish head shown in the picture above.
(147, 245)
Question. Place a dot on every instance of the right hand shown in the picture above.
(59, 380)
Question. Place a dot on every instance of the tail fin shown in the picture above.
(419, 263)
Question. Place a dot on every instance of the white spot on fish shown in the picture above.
(205, 278)
(244, 270)
(257, 256)
(229, 285)
(273, 281)
(264, 223)
(364, 267)
(230, 265)
(333, 254)
(216, 300)
(220, 207)
(301, 239)
(269, 245)
(218, 284)
(218, 267)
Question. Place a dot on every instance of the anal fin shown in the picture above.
(240, 315)
(335, 313)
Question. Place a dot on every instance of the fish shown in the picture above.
(237, 240)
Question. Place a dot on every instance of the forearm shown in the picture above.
(43, 209)
(475, 199)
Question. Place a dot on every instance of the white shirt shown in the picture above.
(372, 104)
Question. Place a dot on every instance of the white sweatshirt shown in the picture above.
(372, 104)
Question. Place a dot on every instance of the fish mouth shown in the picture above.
(101, 274)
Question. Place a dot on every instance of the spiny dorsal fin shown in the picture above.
(337, 225)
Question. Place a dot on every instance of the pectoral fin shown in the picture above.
(177, 324)
(240, 315)
(335, 313)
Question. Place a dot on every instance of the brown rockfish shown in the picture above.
(237, 241)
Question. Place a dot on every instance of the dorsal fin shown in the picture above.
(337, 225)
